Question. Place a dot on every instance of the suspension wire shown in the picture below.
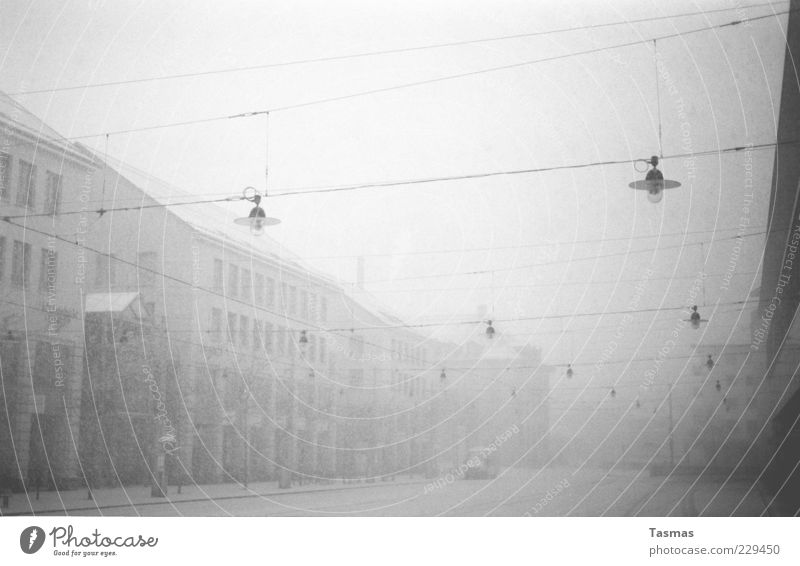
(338, 98)
(102, 210)
(658, 98)
(353, 329)
(425, 180)
(564, 261)
(266, 156)
(389, 51)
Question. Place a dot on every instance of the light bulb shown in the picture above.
(655, 191)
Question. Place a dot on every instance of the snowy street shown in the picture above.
(552, 492)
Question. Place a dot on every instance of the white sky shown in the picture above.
(582, 109)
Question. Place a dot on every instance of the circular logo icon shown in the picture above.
(31, 539)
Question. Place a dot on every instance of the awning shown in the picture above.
(113, 302)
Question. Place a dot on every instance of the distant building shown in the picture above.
(496, 396)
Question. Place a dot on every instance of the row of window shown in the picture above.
(110, 272)
(410, 386)
(27, 186)
(17, 259)
(52, 363)
(261, 290)
(21, 262)
(403, 351)
(262, 335)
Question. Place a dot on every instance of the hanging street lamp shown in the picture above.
(257, 220)
(695, 319)
(654, 182)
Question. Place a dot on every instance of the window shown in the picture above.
(21, 264)
(233, 281)
(147, 268)
(48, 270)
(280, 336)
(292, 300)
(51, 364)
(323, 309)
(100, 270)
(5, 176)
(217, 275)
(268, 337)
(105, 274)
(216, 325)
(232, 318)
(26, 191)
(312, 348)
(244, 330)
(284, 298)
(323, 347)
(257, 343)
(303, 305)
(356, 377)
(52, 200)
(112, 271)
(270, 291)
(313, 304)
(2, 256)
(356, 345)
(247, 285)
(258, 295)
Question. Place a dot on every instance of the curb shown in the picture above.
(166, 501)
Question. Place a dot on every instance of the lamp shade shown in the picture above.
(257, 220)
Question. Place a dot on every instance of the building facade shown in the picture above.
(41, 343)
(149, 341)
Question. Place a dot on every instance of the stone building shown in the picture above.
(41, 340)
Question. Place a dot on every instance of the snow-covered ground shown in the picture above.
(550, 492)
